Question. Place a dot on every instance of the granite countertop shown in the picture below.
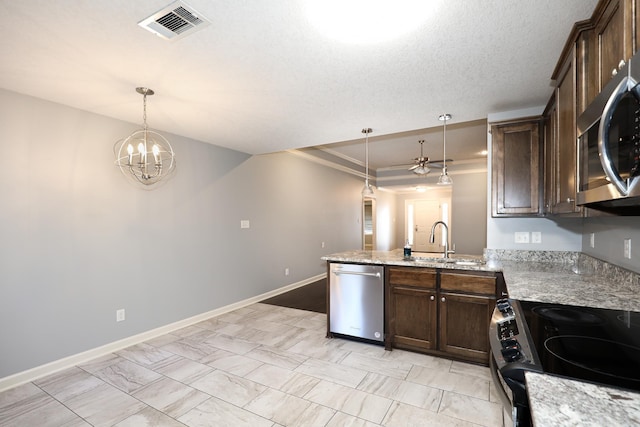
(581, 282)
(429, 259)
(558, 402)
(543, 276)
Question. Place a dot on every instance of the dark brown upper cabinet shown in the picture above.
(614, 38)
(516, 172)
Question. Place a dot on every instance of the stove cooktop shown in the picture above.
(597, 345)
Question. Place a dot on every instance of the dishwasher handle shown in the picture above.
(357, 273)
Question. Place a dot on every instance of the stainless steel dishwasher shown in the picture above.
(356, 300)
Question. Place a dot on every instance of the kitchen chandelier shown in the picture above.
(145, 157)
(444, 178)
(367, 191)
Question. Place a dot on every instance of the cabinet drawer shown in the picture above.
(419, 277)
(468, 283)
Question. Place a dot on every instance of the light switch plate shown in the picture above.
(627, 248)
(245, 223)
(592, 240)
(536, 237)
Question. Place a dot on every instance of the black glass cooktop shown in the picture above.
(590, 344)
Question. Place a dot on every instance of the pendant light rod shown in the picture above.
(444, 178)
(367, 191)
(444, 118)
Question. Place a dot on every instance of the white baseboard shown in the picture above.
(80, 358)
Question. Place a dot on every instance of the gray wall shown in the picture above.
(609, 235)
(469, 213)
(385, 221)
(78, 241)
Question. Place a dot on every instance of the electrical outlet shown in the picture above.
(536, 237)
(120, 315)
(592, 240)
(521, 237)
(286, 271)
(245, 223)
(627, 248)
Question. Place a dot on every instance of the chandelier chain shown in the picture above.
(144, 110)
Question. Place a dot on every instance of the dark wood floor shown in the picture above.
(311, 297)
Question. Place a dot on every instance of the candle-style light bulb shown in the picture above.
(143, 154)
(130, 151)
(156, 153)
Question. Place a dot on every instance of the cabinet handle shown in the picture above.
(432, 298)
(570, 200)
(614, 72)
(443, 299)
(621, 64)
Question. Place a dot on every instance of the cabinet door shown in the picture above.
(613, 37)
(549, 147)
(566, 144)
(464, 325)
(413, 320)
(515, 162)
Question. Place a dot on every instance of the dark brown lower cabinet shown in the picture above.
(411, 308)
(415, 318)
(464, 325)
(440, 313)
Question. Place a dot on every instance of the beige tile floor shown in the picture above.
(261, 365)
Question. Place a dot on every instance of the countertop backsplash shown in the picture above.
(581, 263)
(530, 256)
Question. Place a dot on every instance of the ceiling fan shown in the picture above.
(421, 164)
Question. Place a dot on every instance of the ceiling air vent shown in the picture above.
(174, 21)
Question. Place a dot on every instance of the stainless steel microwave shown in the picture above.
(609, 146)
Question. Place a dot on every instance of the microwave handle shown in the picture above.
(626, 85)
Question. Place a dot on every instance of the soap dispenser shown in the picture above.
(407, 250)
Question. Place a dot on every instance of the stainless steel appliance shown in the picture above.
(356, 301)
(609, 145)
(594, 345)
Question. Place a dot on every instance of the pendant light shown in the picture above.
(367, 191)
(145, 157)
(444, 178)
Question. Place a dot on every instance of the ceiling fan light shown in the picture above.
(421, 170)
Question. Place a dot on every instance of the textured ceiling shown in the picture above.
(261, 78)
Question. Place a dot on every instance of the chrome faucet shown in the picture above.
(432, 237)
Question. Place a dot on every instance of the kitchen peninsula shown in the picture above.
(557, 277)
(547, 277)
(433, 305)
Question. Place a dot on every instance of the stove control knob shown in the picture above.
(503, 305)
(511, 354)
(509, 342)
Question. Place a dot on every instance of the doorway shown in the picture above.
(368, 224)
(421, 214)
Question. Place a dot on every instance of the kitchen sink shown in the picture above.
(438, 258)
